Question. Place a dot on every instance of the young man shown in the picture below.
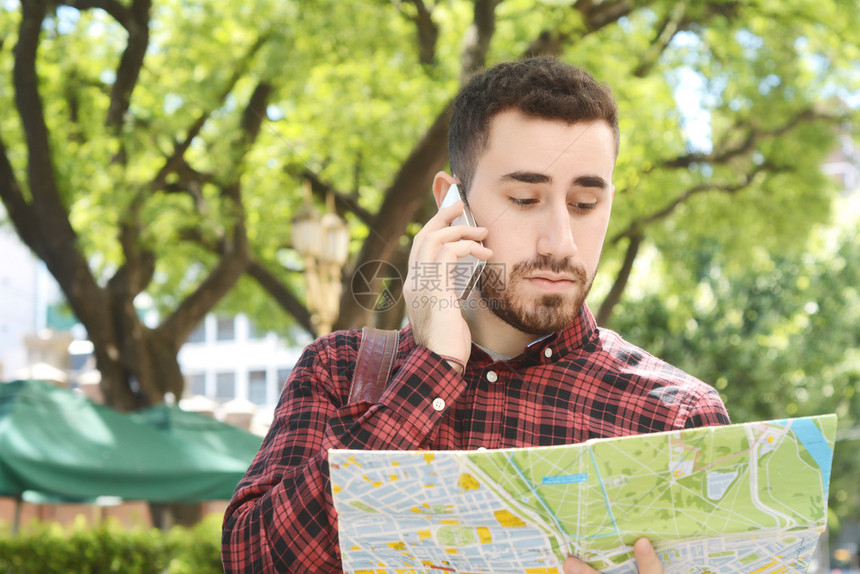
(519, 363)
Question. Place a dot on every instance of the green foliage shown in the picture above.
(351, 97)
(108, 548)
(197, 549)
(779, 337)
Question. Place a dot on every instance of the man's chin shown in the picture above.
(540, 316)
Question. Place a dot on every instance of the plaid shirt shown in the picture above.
(577, 384)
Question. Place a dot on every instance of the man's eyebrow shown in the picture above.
(537, 177)
(590, 181)
(527, 177)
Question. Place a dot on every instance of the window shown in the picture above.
(79, 360)
(198, 335)
(196, 384)
(225, 329)
(225, 385)
(257, 387)
(283, 374)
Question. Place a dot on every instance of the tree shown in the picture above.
(779, 337)
(158, 149)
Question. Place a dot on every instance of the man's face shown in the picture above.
(544, 190)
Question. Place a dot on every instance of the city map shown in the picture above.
(748, 498)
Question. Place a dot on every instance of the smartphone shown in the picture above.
(468, 269)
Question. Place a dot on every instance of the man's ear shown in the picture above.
(441, 182)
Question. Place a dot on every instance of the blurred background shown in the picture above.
(192, 190)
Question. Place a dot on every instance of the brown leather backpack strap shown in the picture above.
(376, 355)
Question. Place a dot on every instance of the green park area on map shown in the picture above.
(691, 484)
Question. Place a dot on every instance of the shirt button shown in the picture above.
(492, 376)
(439, 404)
(547, 352)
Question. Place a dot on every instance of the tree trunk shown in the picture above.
(138, 370)
(604, 314)
(405, 198)
(165, 516)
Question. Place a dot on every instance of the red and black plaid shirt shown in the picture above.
(577, 384)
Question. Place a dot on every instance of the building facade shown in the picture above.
(226, 359)
(20, 285)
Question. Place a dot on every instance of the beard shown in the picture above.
(544, 314)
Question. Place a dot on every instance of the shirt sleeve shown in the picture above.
(707, 411)
(282, 518)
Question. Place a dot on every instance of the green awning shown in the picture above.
(60, 444)
(202, 431)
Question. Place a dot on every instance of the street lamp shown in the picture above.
(323, 242)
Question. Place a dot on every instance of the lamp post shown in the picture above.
(323, 242)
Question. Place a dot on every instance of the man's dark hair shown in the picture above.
(542, 87)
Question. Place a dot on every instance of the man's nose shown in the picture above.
(555, 236)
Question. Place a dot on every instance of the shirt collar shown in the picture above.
(581, 331)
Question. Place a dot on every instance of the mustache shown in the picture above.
(552, 264)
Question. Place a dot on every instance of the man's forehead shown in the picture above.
(515, 118)
(535, 144)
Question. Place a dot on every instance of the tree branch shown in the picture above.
(137, 26)
(52, 237)
(666, 31)
(175, 160)
(255, 111)
(115, 9)
(19, 212)
(637, 225)
(40, 171)
(178, 326)
(404, 197)
(136, 272)
(478, 37)
(343, 201)
(621, 280)
(598, 14)
(724, 151)
(234, 250)
(281, 294)
(428, 32)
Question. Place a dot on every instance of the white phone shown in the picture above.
(468, 269)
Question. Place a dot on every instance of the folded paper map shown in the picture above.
(748, 498)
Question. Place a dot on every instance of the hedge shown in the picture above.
(108, 548)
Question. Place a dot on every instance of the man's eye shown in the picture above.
(584, 207)
(523, 202)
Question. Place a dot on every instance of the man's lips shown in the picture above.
(551, 281)
(552, 276)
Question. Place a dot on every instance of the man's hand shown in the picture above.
(646, 561)
(431, 304)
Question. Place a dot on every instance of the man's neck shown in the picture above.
(490, 332)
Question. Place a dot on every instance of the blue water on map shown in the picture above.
(565, 478)
(815, 443)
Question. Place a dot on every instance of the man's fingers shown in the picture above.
(451, 234)
(463, 248)
(646, 557)
(460, 241)
(646, 561)
(444, 217)
(574, 565)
